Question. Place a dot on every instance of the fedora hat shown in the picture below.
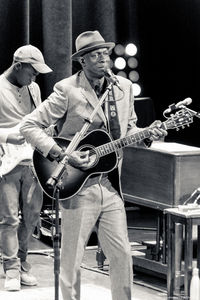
(89, 41)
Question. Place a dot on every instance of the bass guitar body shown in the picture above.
(14, 155)
(73, 179)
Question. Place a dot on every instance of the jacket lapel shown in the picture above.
(89, 94)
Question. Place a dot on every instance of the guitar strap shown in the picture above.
(114, 125)
(113, 120)
(31, 97)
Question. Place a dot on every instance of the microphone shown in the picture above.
(186, 101)
(112, 78)
(58, 172)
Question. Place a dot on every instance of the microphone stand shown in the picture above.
(193, 113)
(55, 182)
(56, 240)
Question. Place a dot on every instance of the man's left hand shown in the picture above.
(156, 131)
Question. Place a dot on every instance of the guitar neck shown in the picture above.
(124, 142)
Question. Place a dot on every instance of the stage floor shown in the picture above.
(95, 281)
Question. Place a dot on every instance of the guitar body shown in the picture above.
(103, 149)
(13, 155)
(73, 179)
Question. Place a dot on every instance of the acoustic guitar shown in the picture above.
(103, 152)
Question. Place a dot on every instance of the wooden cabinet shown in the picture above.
(162, 176)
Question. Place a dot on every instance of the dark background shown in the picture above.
(166, 32)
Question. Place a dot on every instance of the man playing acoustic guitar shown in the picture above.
(19, 95)
(99, 200)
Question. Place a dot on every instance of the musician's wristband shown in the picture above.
(57, 155)
(62, 155)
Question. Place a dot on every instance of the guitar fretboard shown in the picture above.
(123, 142)
(180, 119)
(128, 140)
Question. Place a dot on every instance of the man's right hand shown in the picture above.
(81, 159)
(77, 159)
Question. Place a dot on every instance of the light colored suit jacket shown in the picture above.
(71, 103)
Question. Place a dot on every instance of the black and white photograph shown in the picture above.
(99, 149)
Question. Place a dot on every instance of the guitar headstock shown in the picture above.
(181, 119)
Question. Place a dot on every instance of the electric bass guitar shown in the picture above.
(12, 155)
(102, 150)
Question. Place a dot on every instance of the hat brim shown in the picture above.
(41, 68)
(80, 53)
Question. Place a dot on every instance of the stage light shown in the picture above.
(119, 50)
(136, 89)
(124, 62)
(122, 73)
(132, 62)
(131, 49)
(133, 76)
(120, 63)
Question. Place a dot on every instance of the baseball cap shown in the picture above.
(32, 55)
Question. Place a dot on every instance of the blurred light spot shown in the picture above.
(133, 76)
(136, 89)
(132, 62)
(122, 73)
(119, 50)
(120, 63)
(131, 49)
